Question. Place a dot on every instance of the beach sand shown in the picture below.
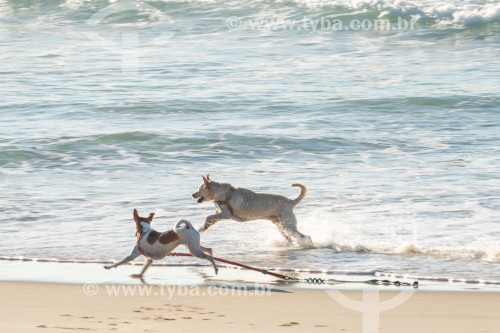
(51, 307)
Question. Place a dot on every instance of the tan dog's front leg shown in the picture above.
(212, 219)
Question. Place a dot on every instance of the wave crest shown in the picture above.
(459, 12)
(415, 250)
(462, 13)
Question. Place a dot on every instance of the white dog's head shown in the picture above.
(139, 227)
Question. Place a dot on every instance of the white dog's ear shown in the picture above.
(208, 177)
(136, 215)
(150, 217)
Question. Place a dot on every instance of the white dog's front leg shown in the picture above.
(146, 266)
(135, 253)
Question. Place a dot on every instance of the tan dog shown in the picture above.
(243, 205)
(155, 245)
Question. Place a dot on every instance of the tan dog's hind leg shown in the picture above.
(276, 221)
(289, 226)
(282, 231)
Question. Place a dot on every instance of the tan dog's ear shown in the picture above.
(150, 217)
(208, 177)
(206, 181)
(136, 216)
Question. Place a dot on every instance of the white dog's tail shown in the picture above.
(186, 232)
(183, 224)
(303, 192)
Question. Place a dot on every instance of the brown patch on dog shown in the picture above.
(153, 236)
(168, 237)
(138, 231)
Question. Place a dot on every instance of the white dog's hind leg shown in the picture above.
(206, 250)
(209, 258)
(197, 251)
(202, 255)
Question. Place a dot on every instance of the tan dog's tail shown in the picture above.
(303, 192)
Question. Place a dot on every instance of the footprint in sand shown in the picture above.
(292, 323)
(65, 328)
(162, 318)
(195, 308)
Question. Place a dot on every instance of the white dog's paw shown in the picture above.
(136, 276)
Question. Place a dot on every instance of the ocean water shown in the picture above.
(106, 106)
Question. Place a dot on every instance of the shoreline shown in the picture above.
(202, 275)
(56, 307)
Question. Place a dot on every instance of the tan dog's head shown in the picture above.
(205, 191)
(138, 222)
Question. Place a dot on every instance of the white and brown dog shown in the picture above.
(155, 245)
(243, 205)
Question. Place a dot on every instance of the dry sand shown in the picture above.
(45, 307)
